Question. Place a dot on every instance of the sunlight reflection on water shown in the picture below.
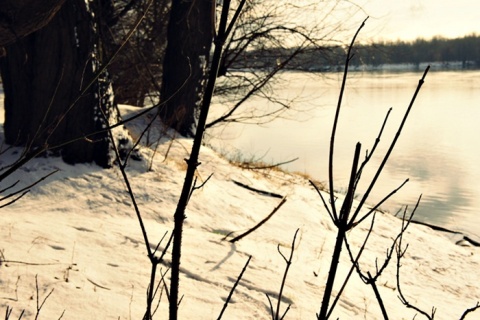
(438, 150)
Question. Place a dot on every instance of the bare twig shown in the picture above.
(24, 190)
(400, 253)
(40, 305)
(369, 155)
(272, 313)
(469, 310)
(33, 264)
(8, 313)
(375, 208)
(162, 286)
(9, 187)
(282, 286)
(258, 225)
(15, 199)
(323, 200)
(195, 187)
(29, 155)
(335, 121)
(392, 144)
(256, 88)
(227, 301)
(131, 194)
(155, 261)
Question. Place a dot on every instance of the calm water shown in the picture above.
(439, 149)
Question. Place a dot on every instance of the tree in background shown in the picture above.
(47, 74)
(19, 18)
(189, 39)
(257, 46)
(271, 29)
(136, 70)
(271, 37)
(53, 97)
(52, 75)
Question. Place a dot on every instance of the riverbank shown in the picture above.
(433, 152)
(74, 241)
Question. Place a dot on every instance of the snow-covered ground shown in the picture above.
(76, 237)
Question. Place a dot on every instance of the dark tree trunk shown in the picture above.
(189, 39)
(19, 18)
(43, 75)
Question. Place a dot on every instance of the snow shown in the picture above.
(76, 233)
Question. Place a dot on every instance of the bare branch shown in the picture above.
(373, 283)
(227, 301)
(393, 143)
(335, 121)
(262, 192)
(470, 310)
(323, 200)
(271, 306)
(256, 88)
(352, 268)
(282, 286)
(369, 155)
(179, 215)
(375, 208)
(25, 189)
(400, 253)
(9, 187)
(258, 225)
(195, 187)
(40, 305)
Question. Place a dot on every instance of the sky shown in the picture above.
(410, 19)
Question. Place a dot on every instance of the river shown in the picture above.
(438, 150)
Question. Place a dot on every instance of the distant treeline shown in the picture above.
(465, 50)
(462, 52)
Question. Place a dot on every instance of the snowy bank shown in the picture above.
(77, 234)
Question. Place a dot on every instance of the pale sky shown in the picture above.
(410, 19)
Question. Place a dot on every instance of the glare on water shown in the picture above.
(438, 150)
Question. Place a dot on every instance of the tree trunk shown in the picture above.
(19, 18)
(43, 76)
(189, 39)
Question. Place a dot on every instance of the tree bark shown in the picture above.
(43, 76)
(19, 18)
(189, 37)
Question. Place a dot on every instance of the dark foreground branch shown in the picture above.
(227, 301)
(179, 217)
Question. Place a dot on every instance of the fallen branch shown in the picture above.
(97, 285)
(33, 263)
(264, 167)
(262, 192)
(260, 223)
(442, 229)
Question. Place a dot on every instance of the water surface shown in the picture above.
(438, 151)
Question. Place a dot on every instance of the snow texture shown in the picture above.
(77, 234)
